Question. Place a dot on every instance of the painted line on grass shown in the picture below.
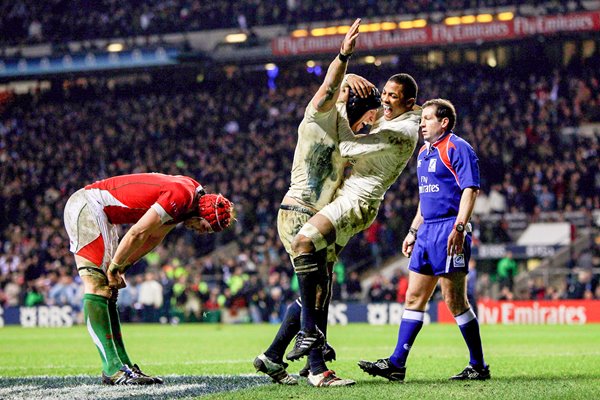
(88, 387)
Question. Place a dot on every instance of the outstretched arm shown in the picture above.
(327, 95)
(153, 240)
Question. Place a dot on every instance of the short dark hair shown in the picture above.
(444, 109)
(410, 88)
(357, 106)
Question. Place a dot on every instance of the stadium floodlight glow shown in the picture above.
(506, 16)
(369, 59)
(419, 23)
(467, 19)
(388, 26)
(342, 30)
(310, 64)
(452, 21)
(115, 47)
(300, 33)
(270, 66)
(318, 32)
(236, 38)
(491, 61)
(485, 18)
(374, 27)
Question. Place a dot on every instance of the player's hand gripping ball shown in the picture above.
(217, 210)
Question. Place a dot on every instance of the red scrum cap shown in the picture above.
(217, 210)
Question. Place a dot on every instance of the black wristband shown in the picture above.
(413, 231)
(344, 57)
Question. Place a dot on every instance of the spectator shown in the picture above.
(381, 290)
(506, 270)
(353, 287)
(373, 237)
(400, 282)
(582, 285)
(12, 291)
(150, 297)
(64, 293)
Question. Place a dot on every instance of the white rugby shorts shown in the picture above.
(349, 216)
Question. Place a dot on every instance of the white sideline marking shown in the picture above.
(96, 391)
(83, 387)
(16, 389)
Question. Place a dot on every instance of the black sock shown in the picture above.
(323, 313)
(287, 331)
(316, 361)
(307, 268)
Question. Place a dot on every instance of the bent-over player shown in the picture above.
(154, 203)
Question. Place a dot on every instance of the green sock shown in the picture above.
(115, 325)
(97, 320)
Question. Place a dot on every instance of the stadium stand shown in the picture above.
(210, 130)
(235, 133)
(56, 21)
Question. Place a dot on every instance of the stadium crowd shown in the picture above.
(241, 143)
(57, 21)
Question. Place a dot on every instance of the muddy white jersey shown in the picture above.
(318, 168)
(378, 157)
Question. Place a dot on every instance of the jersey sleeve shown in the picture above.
(465, 163)
(311, 114)
(174, 202)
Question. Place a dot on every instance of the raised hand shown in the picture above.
(350, 39)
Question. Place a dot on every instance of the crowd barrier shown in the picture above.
(559, 312)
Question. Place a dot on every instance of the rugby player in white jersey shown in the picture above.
(377, 160)
(317, 172)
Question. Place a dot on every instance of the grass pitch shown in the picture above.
(215, 362)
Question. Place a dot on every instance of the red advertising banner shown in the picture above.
(559, 312)
(441, 34)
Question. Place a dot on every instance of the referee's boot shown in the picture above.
(473, 373)
(384, 368)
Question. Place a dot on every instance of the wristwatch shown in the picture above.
(460, 227)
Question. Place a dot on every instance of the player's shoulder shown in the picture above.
(459, 141)
(311, 110)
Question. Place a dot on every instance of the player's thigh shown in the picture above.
(349, 216)
(420, 289)
(289, 223)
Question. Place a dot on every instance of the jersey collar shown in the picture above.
(435, 144)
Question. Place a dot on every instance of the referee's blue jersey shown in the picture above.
(444, 169)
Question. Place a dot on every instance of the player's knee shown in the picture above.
(415, 301)
(308, 240)
(302, 245)
(97, 284)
